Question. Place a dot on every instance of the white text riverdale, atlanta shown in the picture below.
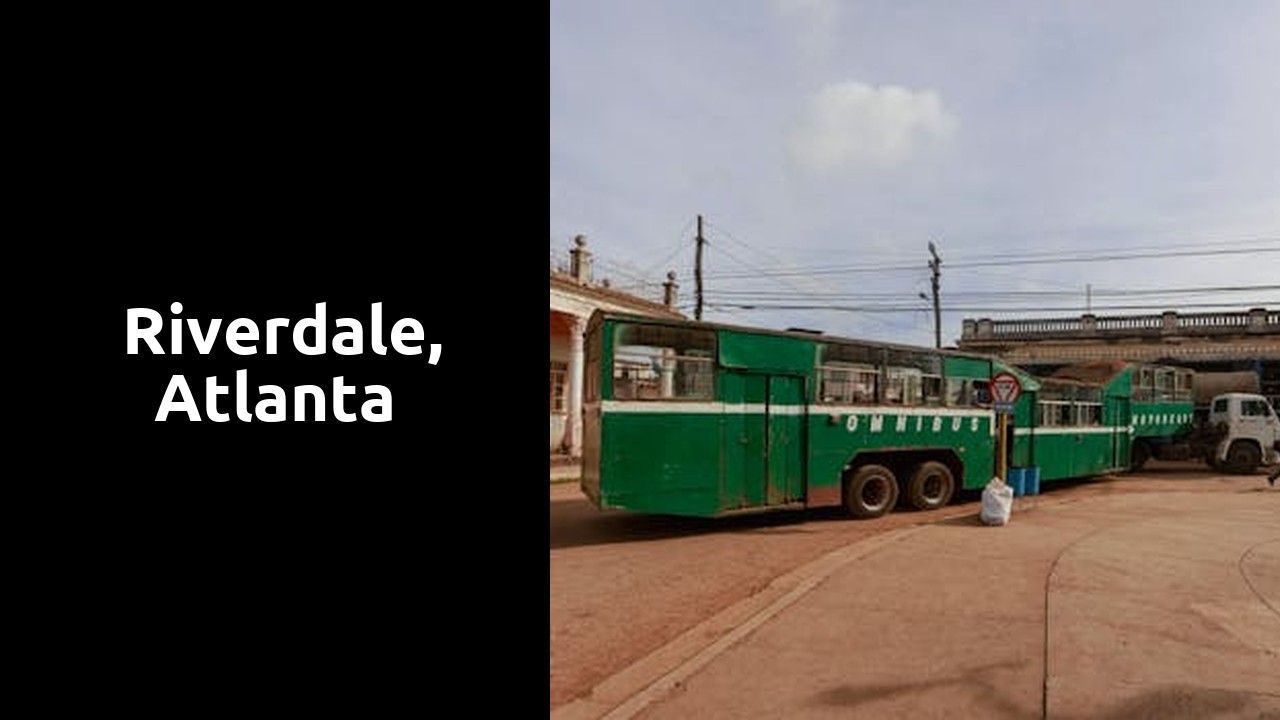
(242, 335)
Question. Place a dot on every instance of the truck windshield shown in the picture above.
(1253, 408)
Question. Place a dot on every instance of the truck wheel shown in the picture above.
(1243, 457)
(870, 492)
(930, 486)
(1139, 456)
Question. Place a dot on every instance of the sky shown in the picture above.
(831, 135)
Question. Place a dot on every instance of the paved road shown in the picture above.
(1159, 605)
(626, 589)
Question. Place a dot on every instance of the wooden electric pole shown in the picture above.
(697, 271)
(935, 264)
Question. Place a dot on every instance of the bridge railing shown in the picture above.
(1130, 323)
(1257, 320)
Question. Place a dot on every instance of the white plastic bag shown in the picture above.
(997, 502)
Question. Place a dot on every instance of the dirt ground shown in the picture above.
(624, 585)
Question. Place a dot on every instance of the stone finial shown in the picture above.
(580, 260)
(669, 291)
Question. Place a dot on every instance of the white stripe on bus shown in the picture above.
(708, 408)
(897, 410)
(1070, 430)
(643, 406)
(698, 408)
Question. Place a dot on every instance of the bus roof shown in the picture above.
(799, 335)
(1102, 371)
(1097, 372)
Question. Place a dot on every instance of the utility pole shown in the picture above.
(1088, 298)
(697, 271)
(935, 264)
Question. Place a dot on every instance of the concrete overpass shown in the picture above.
(1214, 342)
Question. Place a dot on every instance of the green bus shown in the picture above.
(1099, 417)
(705, 419)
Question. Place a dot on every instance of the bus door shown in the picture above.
(785, 423)
(764, 439)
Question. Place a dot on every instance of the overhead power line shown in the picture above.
(974, 309)
(680, 247)
(618, 268)
(792, 291)
(999, 294)
(1045, 252)
(838, 270)
(795, 290)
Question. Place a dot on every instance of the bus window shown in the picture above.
(902, 386)
(1064, 405)
(1164, 384)
(849, 373)
(959, 392)
(1056, 407)
(657, 362)
(1056, 413)
(905, 374)
(1146, 385)
(847, 383)
(1088, 414)
(1183, 386)
(1051, 414)
(982, 393)
(932, 385)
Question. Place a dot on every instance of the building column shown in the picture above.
(573, 418)
(668, 372)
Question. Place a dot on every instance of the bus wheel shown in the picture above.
(1243, 457)
(930, 486)
(1139, 456)
(870, 492)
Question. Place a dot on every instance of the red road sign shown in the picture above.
(1005, 388)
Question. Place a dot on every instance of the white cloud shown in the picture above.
(852, 125)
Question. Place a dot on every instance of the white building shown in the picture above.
(573, 298)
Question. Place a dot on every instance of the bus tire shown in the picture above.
(1243, 457)
(930, 486)
(1139, 456)
(870, 492)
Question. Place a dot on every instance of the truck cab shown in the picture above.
(1252, 432)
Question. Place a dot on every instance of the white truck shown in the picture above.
(1234, 432)
(1243, 432)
